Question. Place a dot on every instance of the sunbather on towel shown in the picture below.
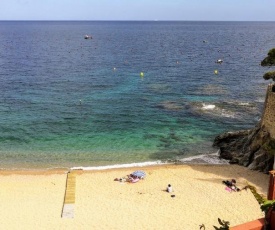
(232, 185)
(133, 179)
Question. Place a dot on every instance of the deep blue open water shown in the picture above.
(135, 92)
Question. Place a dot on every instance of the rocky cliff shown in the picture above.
(253, 148)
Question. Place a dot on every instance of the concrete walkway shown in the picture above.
(69, 200)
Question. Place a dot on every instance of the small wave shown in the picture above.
(204, 159)
(130, 165)
(229, 114)
(212, 110)
(244, 103)
(208, 107)
(261, 100)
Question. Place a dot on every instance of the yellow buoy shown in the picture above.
(216, 72)
(141, 74)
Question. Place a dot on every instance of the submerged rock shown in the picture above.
(170, 105)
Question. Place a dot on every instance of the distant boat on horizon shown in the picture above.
(88, 36)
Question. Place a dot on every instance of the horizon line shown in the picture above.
(133, 20)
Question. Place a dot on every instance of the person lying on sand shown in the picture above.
(121, 179)
(133, 179)
(129, 178)
(231, 185)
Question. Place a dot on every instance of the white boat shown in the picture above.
(219, 61)
(88, 36)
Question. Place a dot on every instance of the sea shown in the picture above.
(136, 93)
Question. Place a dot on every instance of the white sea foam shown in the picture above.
(261, 100)
(130, 165)
(228, 114)
(198, 159)
(208, 107)
(204, 159)
(244, 103)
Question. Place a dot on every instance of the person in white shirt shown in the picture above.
(169, 188)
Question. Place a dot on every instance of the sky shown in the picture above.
(198, 10)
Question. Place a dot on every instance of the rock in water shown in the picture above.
(253, 148)
(270, 59)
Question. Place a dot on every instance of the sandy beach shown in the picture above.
(34, 199)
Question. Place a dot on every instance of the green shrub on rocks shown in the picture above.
(271, 53)
(270, 59)
(269, 75)
(257, 196)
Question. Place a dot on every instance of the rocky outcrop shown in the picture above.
(270, 59)
(250, 148)
(253, 148)
(269, 75)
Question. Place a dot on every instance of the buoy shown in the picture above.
(141, 74)
(114, 68)
(216, 72)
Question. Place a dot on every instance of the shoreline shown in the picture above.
(200, 198)
(201, 159)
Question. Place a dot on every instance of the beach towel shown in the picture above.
(228, 189)
(135, 180)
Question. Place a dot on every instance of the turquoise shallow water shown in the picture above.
(66, 101)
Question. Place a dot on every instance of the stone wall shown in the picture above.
(268, 117)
